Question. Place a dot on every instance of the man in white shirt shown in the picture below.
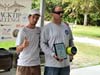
(28, 47)
(53, 33)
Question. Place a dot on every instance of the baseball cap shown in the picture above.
(34, 11)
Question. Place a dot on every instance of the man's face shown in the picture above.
(33, 19)
(58, 13)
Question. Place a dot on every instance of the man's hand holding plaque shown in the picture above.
(60, 51)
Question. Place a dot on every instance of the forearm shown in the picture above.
(71, 43)
(46, 49)
(19, 48)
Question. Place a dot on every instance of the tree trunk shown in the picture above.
(85, 18)
(75, 22)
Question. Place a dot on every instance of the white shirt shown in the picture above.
(29, 56)
(52, 34)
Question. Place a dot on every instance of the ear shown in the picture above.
(29, 16)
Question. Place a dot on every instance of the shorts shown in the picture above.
(28, 70)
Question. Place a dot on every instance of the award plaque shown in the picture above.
(60, 50)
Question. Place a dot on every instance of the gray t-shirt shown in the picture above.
(52, 34)
(29, 56)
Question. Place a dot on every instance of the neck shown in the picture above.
(31, 26)
(58, 22)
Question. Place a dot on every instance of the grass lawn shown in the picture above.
(7, 44)
(87, 55)
(88, 31)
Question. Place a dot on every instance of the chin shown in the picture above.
(33, 23)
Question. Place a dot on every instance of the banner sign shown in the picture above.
(13, 16)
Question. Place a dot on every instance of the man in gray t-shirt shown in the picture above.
(54, 33)
(28, 47)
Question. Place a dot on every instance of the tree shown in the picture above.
(36, 4)
(97, 4)
(73, 9)
(81, 7)
(86, 9)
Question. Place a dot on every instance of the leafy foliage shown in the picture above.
(74, 10)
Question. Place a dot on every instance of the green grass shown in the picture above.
(7, 44)
(88, 31)
(87, 55)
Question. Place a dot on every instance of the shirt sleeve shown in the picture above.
(20, 37)
(71, 43)
(44, 42)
